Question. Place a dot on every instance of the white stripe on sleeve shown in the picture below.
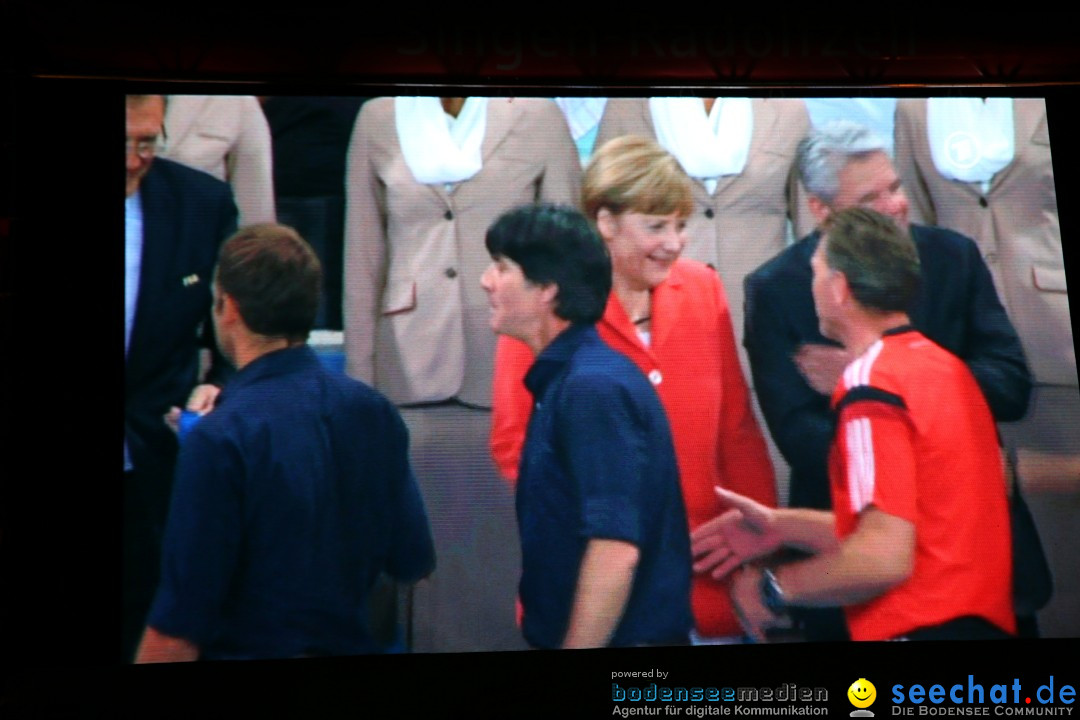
(860, 463)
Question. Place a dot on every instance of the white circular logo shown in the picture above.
(962, 149)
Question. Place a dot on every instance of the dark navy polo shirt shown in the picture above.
(290, 497)
(598, 462)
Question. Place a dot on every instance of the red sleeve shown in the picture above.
(744, 457)
(877, 442)
(511, 405)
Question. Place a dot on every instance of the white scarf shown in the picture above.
(707, 146)
(435, 151)
(969, 139)
(582, 114)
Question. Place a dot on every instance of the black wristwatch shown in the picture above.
(772, 595)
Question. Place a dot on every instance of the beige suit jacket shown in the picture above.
(417, 322)
(1015, 224)
(228, 137)
(744, 223)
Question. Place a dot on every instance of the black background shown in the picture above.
(65, 70)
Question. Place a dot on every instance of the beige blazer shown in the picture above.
(1014, 223)
(228, 137)
(417, 322)
(744, 223)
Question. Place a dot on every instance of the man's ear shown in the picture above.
(227, 308)
(549, 293)
(818, 209)
(839, 288)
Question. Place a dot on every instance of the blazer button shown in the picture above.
(709, 213)
(982, 202)
(655, 377)
(448, 215)
(450, 273)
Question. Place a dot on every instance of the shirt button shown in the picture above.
(448, 215)
(709, 213)
(450, 273)
(655, 377)
(991, 257)
(982, 202)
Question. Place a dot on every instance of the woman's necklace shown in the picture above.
(644, 315)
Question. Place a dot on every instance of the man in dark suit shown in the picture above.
(795, 368)
(176, 218)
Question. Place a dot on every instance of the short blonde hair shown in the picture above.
(635, 173)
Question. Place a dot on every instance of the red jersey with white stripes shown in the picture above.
(915, 439)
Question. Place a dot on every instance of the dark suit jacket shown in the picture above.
(957, 308)
(186, 216)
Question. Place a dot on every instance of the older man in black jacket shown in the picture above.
(176, 219)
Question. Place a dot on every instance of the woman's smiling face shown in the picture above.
(642, 247)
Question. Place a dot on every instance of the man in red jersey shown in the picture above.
(918, 544)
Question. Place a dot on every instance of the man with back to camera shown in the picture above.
(844, 165)
(175, 220)
(293, 494)
(605, 548)
(915, 450)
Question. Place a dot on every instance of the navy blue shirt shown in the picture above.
(598, 462)
(290, 497)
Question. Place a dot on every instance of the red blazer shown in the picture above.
(693, 364)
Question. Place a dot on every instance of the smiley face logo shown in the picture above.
(862, 693)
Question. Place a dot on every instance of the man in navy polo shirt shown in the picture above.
(293, 494)
(605, 549)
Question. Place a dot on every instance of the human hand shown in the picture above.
(202, 398)
(200, 401)
(822, 365)
(754, 617)
(745, 532)
(172, 419)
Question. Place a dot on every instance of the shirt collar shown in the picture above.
(278, 362)
(554, 357)
(898, 330)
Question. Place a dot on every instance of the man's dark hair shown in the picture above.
(555, 244)
(878, 259)
(275, 278)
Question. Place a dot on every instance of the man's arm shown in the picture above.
(603, 588)
(876, 444)
(606, 447)
(992, 349)
(877, 556)
(202, 542)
